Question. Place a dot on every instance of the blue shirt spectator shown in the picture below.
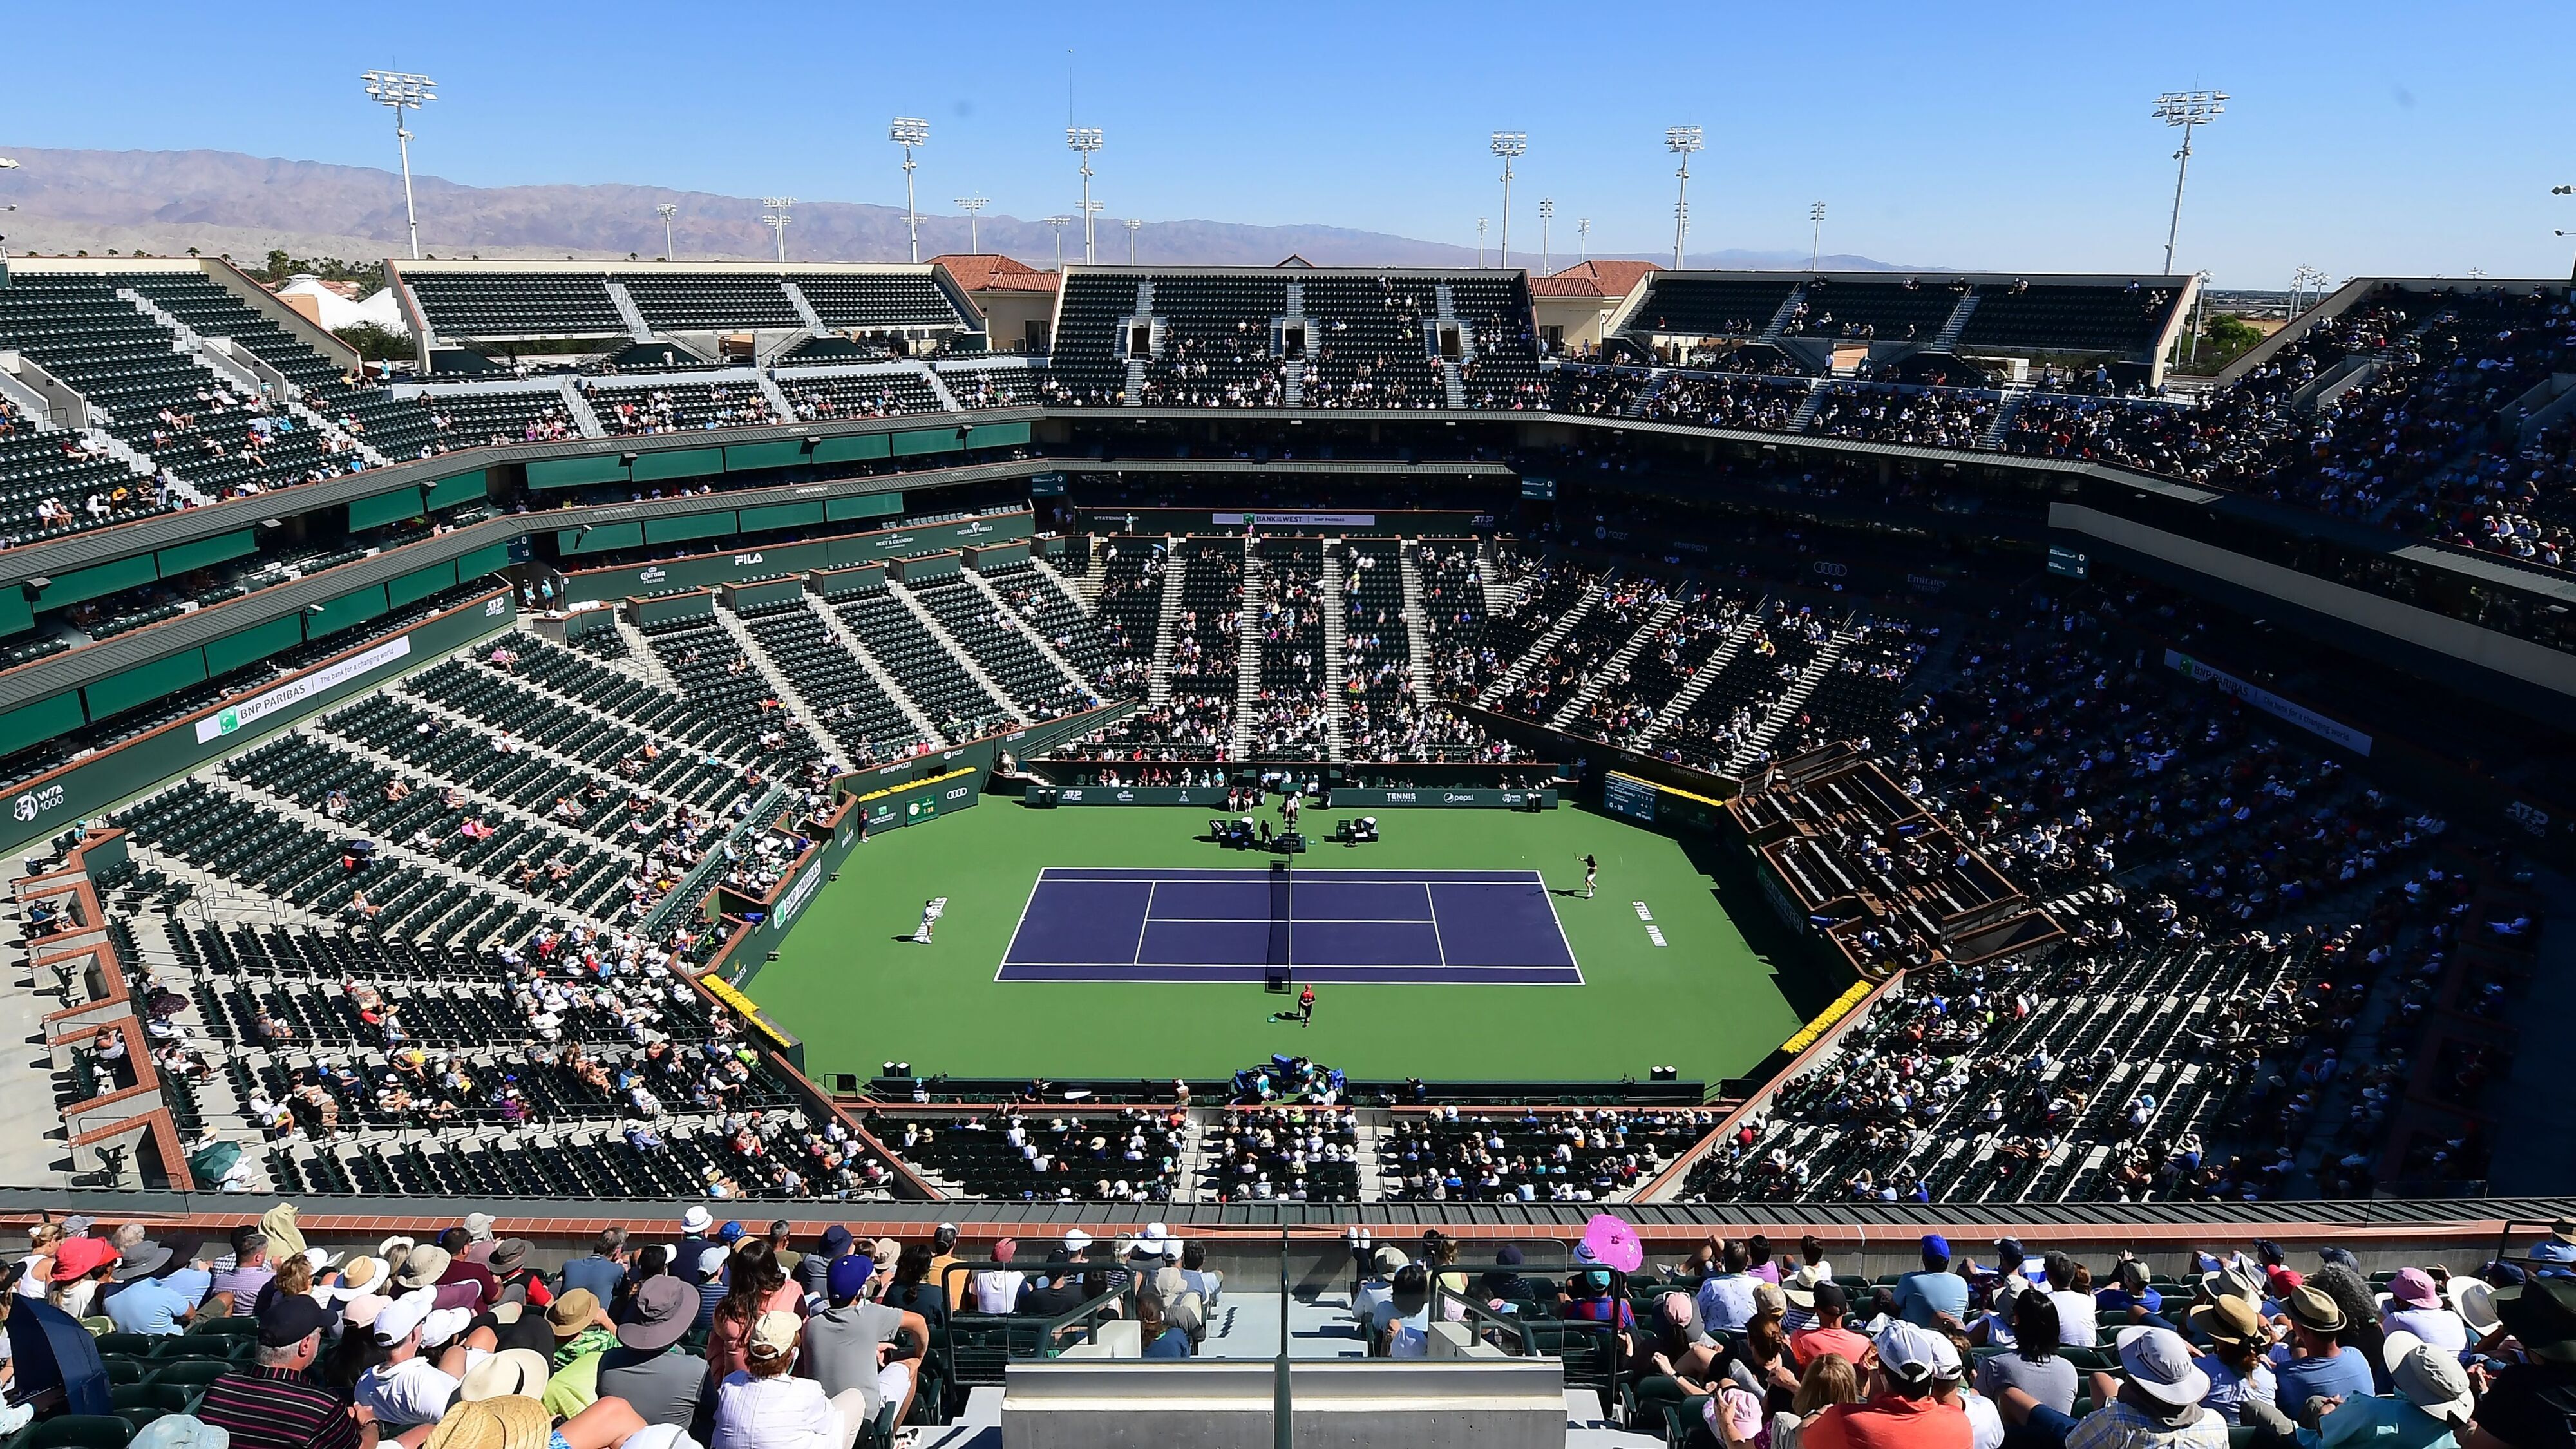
(1922, 1297)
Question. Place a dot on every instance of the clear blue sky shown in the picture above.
(2361, 137)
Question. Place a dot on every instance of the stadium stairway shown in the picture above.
(1337, 612)
(1503, 684)
(1806, 412)
(642, 660)
(1247, 658)
(2014, 395)
(1417, 628)
(637, 329)
(796, 298)
(1084, 590)
(1680, 704)
(1037, 639)
(768, 385)
(1778, 326)
(938, 388)
(577, 403)
(1158, 690)
(884, 677)
(1611, 668)
(788, 694)
(1948, 336)
(1764, 735)
(928, 618)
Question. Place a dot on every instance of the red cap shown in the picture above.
(79, 1257)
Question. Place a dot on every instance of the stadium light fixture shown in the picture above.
(1507, 145)
(776, 219)
(1058, 223)
(908, 132)
(666, 211)
(1815, 233)
(1480, 241)
(1546, 214)
(2189, 110)
(402, 91)
(2306, 283)
(1681, 141)
(2566, 191)
(971, 205)
(1135, 224)
(1084, 140)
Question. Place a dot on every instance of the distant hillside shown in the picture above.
(223, 202)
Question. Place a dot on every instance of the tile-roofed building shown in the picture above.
(1570, 306)
(1018, 300)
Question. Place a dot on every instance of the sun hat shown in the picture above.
(393, 1250)
(2232, 1283)
(2474, 1300)
(180, 1431)
(478, 1226)
(512, 1421)
(1156, 1232)
(2160, 1366)
(141, 1261)
(422, 1267)
(2431, 1379)
(664, 1310)
(775, 1334)
(2313, 1309)
(1389, 1260)
(696, 1220)
(362, 1272)
(2414, 1288)
(2542, 1314)
(2230, 1319)
(521, 1371)
(1769, 1301)
(507, 1255)
(572, 1313)
(1076, 1240)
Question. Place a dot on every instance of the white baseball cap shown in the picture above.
(396, 1320)
(1075, 1240)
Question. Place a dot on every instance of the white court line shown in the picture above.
(1433, 906)
(1013, 949)
(1257, 965)
(1299, 920)
(1143, 926)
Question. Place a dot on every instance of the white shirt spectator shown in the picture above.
(784, 1412)
(997, 1289)
(407, 1393)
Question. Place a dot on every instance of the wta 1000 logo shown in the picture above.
(36, 803)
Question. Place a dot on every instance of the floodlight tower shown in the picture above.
(1546, 214)
(776, 219)
(908, 132)
(1090, 213)
(1583, 235)
(1816, 233)
(2187, 109)
(666, 211)
(1507, 145)
(1135, 224)
(971, 205)
(1480, 241)
(2561, 231)
(1083, 140)
(2309, 283)
(1058, 223)
(402, 91)
(1681, 141)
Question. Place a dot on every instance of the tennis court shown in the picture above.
(1483, 927)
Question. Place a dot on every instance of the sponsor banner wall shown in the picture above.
(1438, 523)
(2270, 703)
(1430, 798)
(50, 803)
(700, 571)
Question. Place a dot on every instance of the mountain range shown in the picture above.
(224, 202)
